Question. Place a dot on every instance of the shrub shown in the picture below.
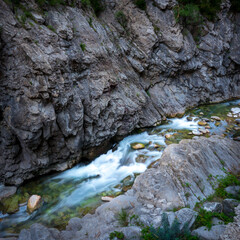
(121, 18)
(167, 232)
(83, 46)
(204, 218)
(235, 5)
(140, 4)
(118, 235)
(86, 3)
(122, 218)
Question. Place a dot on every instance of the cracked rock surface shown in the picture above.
(71, 82)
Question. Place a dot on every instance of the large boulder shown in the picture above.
(213, 234)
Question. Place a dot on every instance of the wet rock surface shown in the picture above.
(148, 199)
(59, 101)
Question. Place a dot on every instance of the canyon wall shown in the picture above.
(71, 82)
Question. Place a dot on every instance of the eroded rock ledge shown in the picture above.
(158, 189)
(70, 82)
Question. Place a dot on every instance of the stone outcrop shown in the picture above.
(156, 190)
(71, 82)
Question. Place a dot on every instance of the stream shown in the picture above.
(78, 191)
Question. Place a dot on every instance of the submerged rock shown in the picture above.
(216, 118)
(34, 202)
(137, 146)
(202, 123)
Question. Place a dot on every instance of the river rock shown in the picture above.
(196, 133)
(237, 121)
(106, 199)
(34, 202)
(202, 123)
(234, 190)
(7, 191)
(137, 146)
(167, 136)
(216, 118)
(213, 207)
(229, 205)
(213, 234)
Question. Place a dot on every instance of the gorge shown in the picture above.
(73, 84)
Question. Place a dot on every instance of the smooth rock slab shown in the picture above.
(204, 234)
(213, 207)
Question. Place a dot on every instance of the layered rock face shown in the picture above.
(70, 81)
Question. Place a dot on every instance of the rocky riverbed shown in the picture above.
(161, 189)
(63, 193)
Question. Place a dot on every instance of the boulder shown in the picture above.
(38, 231)
(106, 199)
(213, 234)
(34, 202)
(7, 191)
(202, 123)
(213, 207)
(217, 221)
(216, 118)
(229, 205)
(233, 190)
(186, 216)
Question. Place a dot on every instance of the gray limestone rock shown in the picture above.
(233, 190)
(186, 217)
(213, 234)
(232, 231)
(213, 207)
(229, 205)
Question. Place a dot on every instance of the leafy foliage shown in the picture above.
(140, 4)
(204, 218)
(116, 234)
(121, 18)
(83, 46)
(122, 218)
(167, 232)
(223, 182)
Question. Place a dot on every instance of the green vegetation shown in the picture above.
(167, 232)
(83, 46)
(121, 18)
(223, 182)
(122, 218)
(204, 218)
(96, 5)
(50, 2)
(116, 234)
(140, 4)
(190, 10)
(51, 28)
(235, 5)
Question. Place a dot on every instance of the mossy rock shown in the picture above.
(141, 158)
(10, 205)
(137, 146)
(202, 123)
